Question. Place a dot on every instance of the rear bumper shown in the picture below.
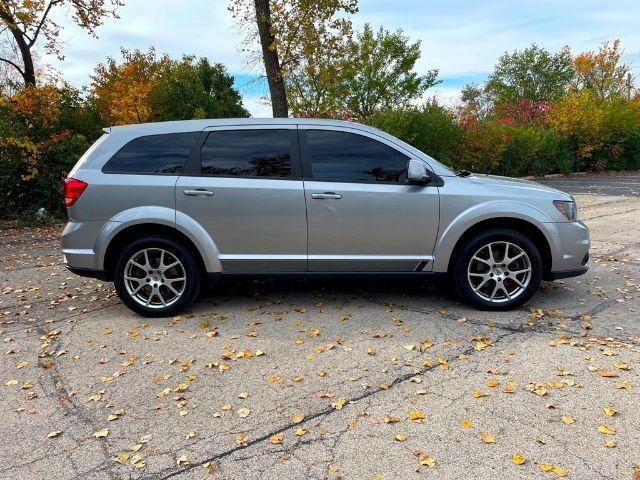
(78, 241)
(88, 272)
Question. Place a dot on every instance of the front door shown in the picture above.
(247, 192)
(363, 214)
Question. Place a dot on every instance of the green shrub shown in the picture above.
(431, 128)
(535, 150)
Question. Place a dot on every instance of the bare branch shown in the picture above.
(16, 66)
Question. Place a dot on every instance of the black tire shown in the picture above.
(461, 267)
(191, 285)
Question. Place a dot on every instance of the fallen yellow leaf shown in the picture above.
(100, 433)
(519, 458)
(243, 412)
(487, 437)
(416, 415)
(606, 430)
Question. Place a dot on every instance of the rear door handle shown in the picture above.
(326, 195)
(198, 192)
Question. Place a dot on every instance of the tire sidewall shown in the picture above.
(191, 272)
(463, 258)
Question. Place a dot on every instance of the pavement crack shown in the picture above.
(66, 400)
(323, 412)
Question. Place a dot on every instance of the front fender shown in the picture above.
(454, 230)
(155, 215)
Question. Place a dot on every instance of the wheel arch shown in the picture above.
(532, 231)
(135, 231)
(154, 220)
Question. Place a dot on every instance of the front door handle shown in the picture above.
(326, 195)
(198, 192)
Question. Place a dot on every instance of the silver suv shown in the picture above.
(161, 208)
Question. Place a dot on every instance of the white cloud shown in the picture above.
(257, 107)
(461, 38)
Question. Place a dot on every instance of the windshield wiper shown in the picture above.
(463, 173)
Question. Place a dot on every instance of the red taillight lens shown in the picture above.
(72, 190)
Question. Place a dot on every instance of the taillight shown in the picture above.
(72, 190)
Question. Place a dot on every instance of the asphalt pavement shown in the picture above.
(330, 379)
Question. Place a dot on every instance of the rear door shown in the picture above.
(363, 213)
(246, 190)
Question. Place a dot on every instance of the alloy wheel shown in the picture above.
(155, 278)
(499, 271)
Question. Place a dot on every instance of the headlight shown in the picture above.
(567, 208)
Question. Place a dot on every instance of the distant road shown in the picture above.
(606, 184)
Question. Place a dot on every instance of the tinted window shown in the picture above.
(153, 154)
(247, 153)
(348, 157)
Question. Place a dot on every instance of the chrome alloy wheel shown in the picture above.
(499, 271)
(155, 278)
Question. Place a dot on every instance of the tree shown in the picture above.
(476, 102)
(381, 73)
(123, 91)
(533, 74)
(290, 33)
(192, 88)
(25, 22)
(602, 73)
(10, 78)
(271, 59)
(144, 87)
(316, 85)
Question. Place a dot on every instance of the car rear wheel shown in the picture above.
(156, 276)
(499, 269)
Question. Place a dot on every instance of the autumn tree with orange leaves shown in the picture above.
(123, 91)
(145, 87)
(26, 23)
(603, 73)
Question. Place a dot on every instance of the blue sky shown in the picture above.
(461, 38)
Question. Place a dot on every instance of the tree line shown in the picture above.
(538, 111)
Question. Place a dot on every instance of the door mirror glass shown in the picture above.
(417, 172)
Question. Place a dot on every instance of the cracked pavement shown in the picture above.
(321, 379)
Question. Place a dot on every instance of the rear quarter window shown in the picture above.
(153, 154)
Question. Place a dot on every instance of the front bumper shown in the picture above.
(572, 250)
(566, 273)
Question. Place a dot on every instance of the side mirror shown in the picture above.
(417, 172)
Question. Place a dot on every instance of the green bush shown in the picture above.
(431, 128)
(535, 150)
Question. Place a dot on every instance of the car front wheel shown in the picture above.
(499, 269)
(156, 276)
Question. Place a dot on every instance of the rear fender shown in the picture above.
(154, 215)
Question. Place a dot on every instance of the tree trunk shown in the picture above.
(271, 60)
(28, 72)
